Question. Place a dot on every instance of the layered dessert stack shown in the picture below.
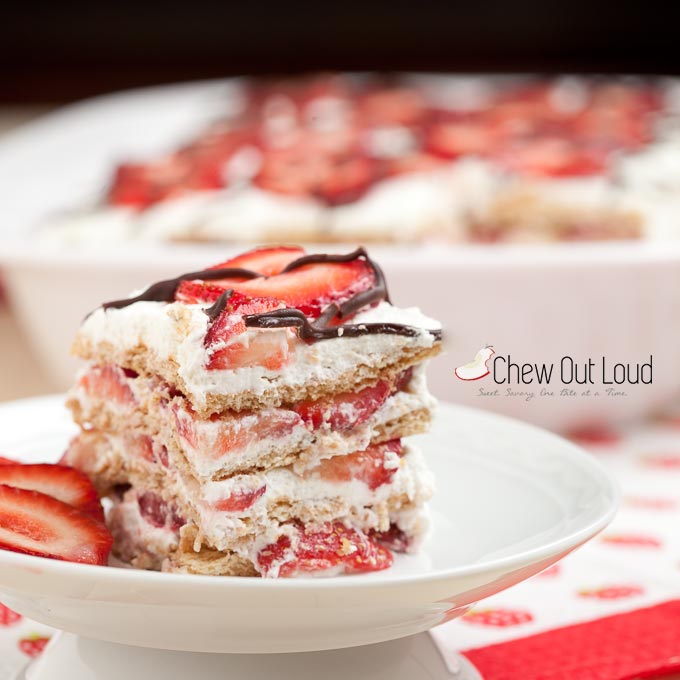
(248, 419)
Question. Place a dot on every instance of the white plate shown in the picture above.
(512, 500)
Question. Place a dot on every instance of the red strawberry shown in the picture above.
(347, 180)
(195, 292)
(266, 261)
(415, 162)
(36, 524)
(632, 540)
(158, 513)
(8, 617)
(142, 185)
(344, 411)
(329, 547)
(263, 348)
(612, 592)
(227, 434)
(450, 139)
(33, 645)
(311, 287)
(396, 106)
(394, 538)
(366, 466)
(7, 461)
(553, 157)
(498, 618)
(240, 500)
(403, 380)
(108, 383)
(614, 127)
(140, 446)
(64, 483)
(294, 171)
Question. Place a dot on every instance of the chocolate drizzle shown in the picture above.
(310, 331)
(215, 310)
(164, 291)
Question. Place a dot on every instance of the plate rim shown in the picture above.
(554, 548)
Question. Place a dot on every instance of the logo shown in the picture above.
(478, 367)
(565, 377)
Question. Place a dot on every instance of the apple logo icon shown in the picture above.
(477, 368)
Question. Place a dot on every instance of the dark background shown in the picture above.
(58, 52)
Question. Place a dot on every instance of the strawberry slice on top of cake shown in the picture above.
(247, 419)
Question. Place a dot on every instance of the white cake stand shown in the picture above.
(76, 658)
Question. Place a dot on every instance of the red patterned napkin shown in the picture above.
(610, 610)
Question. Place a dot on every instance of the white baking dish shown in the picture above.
(536, 303)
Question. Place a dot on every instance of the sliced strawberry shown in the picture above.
(403, 380)
(230, 322)
(394, 538)
(158, 513)
(196, 292)
(260, 348)
(344, 411)
(370, 466)
(140, 446)
(266, 261)
(331, 547)
(37, 524)
(451, 139)
(294, 171)
(141, 185)
(64, 483)
(240, 500)
(107, 383)
(311, 287)
(553, 157)
(414, 162)
(395, 106)
(347, 180)
(225, 434)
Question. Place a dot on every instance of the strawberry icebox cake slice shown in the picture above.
(247, 419)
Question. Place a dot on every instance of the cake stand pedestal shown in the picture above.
(76, 658)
